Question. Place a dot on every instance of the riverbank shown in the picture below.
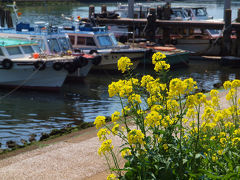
(72, 156)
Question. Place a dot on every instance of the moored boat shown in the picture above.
(23, 66)
(98, 40)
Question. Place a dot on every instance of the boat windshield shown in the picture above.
(53, 45)
(114, 40)
(13, 50)
(104, 40)
(200, 12)
(1, 52)
(27, 49)
(64, 44)
(36, 49)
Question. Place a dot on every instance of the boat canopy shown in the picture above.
(14, 42)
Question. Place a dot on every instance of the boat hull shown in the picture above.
(27, 76)
(110, 59)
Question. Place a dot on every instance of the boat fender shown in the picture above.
(174, 41)
(69, 66)
(93, 51)
(97, 60)
(80, 62)
(40, 65)
(7, 64)
(57, 66)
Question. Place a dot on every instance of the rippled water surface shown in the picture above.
(26, 112)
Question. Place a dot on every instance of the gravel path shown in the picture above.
(70, 159)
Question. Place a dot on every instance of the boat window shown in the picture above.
(27, 49)
(81, 40)
(104, 41)
(1, 52)
(114, 40)
(41, 44)
(53, 45)
(64, 44)
(72, 39)
(13, 50)
(36, 49)
(200, 12)
(90, 41)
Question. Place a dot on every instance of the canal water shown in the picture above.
(30, 112)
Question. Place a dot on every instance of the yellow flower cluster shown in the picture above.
(124, 64)
(102, 134)
(146, 79)
(122, 88)
(100, 121)
(158, 57)
(153, 119)
(115, 128)
(161, 66)
(178, 87)
(105, 147)
(115, 116)
(134, 99)
(135, 136)
(126, 152)
(112, 177)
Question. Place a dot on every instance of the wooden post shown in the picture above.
(103, 9)
(226, 45)
(91, 11)
(237, 43)
(130, 8)
(227, 5)
(159, 12)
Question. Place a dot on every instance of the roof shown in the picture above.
(14, 42)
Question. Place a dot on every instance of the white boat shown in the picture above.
(52, 42)
(23, 66)
(98, 40)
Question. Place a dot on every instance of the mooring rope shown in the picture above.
(26, 80)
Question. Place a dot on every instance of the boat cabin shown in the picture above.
(88, 40)
(15, 48)
(50, 40)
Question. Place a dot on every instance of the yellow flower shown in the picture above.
(134, 98)
(146, 79)
(230, 94)
(153, 119)
(227, 85)
(235, 83)
(135, 136)
(105, 147)
(161, 66)
(212, 138)
(124, 64)
(102, 133)
(229, 124)
(165, 147)
(214, 157)
(115, 128)
(158, 57)
(115, 116)
(100, 121)
(112, 177)
(126, 152)
(220, 152)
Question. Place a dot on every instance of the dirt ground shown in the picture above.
(69, 157)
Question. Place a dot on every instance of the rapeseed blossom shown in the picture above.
(100, 121)
(105, 147)
(112, 177)
(126, 152)
(135, 136)
(102, 134)
(153, 119)
(115, 116)
(124, 64)
(161, 66)
(115, 128)
(158, 57)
